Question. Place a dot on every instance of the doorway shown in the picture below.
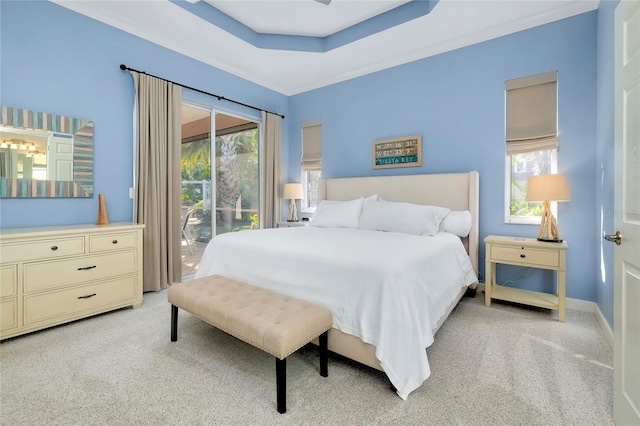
(220, 180)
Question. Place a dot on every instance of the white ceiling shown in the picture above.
(303, 17)
(450, 25)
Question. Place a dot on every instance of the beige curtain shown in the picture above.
(531, 110)
(157, 178)
(271, 198)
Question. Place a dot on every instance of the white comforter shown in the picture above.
(387, 288)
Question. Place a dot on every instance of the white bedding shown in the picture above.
(389, 289)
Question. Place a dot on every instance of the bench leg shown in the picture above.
(174, 323)
(323, 340)
(281, 384)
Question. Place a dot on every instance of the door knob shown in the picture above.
(616, 238)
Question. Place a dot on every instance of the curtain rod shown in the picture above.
(220, 98)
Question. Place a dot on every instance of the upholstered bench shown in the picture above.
(277, 324)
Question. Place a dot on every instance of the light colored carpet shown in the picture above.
(506, 365)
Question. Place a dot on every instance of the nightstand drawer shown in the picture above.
(521, 256)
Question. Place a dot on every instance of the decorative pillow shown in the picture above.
(407, 218)
(457, 222)
(337, 214)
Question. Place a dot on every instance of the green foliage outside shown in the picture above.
(520, 207)
(237, 177)
(533, 163)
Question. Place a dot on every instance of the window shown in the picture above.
(311, 163)
(310, 181)
(531, 141)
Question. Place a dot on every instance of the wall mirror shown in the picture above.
(45, 155)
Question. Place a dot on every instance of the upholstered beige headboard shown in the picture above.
(457, 191)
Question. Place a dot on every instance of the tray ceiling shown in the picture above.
(292, 46)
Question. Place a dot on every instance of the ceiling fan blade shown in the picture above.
(325, 2)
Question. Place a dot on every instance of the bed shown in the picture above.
(389, 292)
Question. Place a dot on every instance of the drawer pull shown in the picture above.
(54, 248)
(114, 242)
(86, 268)
(87, 296)
(522, 256)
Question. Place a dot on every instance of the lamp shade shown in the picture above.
(292, 191)
(552, 187)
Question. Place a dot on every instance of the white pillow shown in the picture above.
(457, 222)
(337, 214)
(407, 218)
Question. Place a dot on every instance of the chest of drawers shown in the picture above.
(53, 275)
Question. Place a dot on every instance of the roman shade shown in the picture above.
(312, 145)
(531, 113)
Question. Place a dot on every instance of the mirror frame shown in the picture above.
(82, 184)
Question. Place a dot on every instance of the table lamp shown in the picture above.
(547, 188)
(293, 192)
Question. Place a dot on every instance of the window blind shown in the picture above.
(532, 113)
(312, 145)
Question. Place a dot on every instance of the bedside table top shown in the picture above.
(522, 241)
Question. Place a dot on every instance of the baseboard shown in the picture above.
(586, 306)
(604, 324)
(582, 306)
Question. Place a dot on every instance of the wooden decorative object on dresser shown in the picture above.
(56, 274)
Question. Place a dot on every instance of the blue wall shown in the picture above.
(456, 101)
(71, 68)
(605, 169)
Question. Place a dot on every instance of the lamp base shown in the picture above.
(545, 240)
(293, 211)
(548, 228)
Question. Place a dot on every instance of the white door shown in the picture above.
(626, 394)
(60, 157)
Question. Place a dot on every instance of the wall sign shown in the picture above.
(397, 152)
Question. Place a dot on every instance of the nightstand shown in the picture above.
(528, 252)
(285, 224)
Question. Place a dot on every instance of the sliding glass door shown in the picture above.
(237, 177)
(220, 183)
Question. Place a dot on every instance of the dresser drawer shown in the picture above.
(45, 275)
(73, 301)
(542, 258)
(98, 243)
(8, 280)
(41, 249)
(8, 314)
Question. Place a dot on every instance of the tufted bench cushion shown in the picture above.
(275, 323)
